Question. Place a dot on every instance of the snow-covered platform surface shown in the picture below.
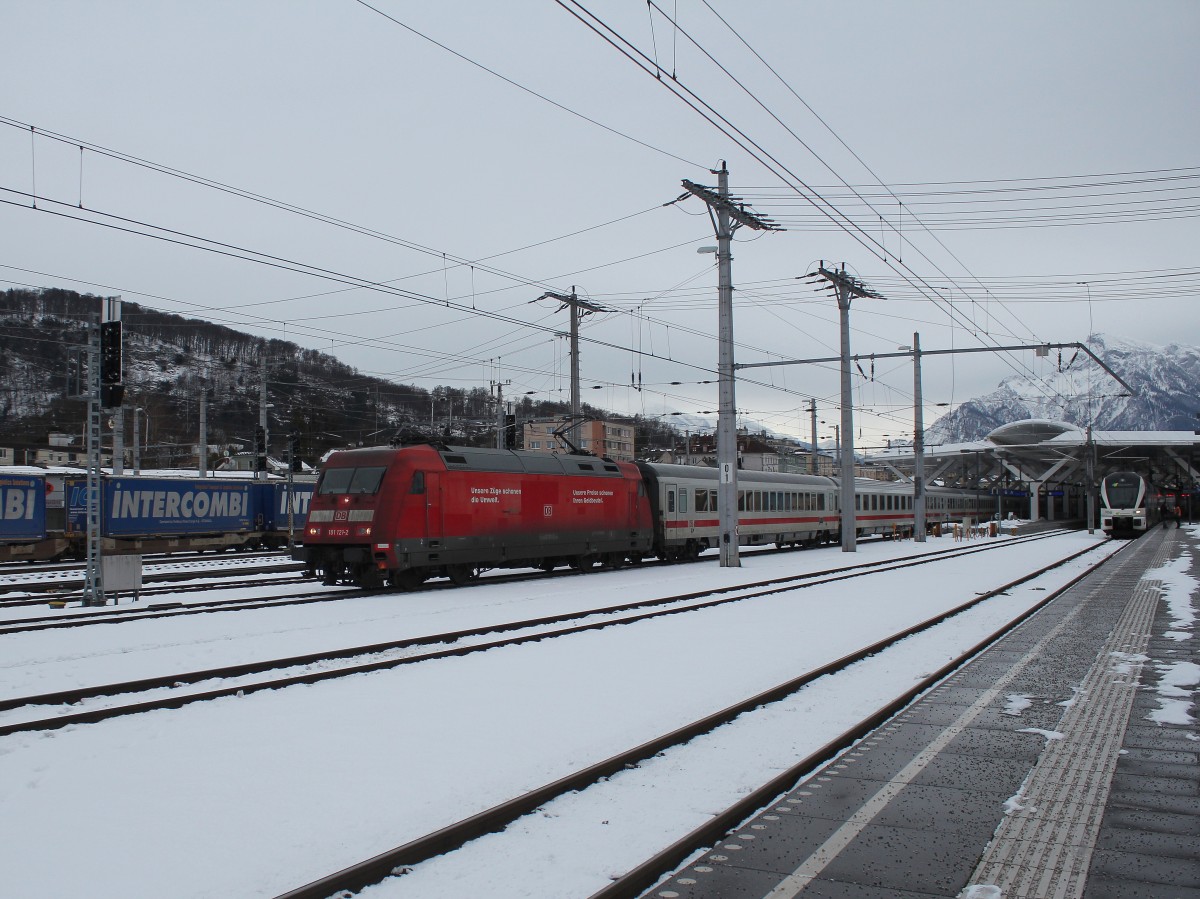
(1062, 762)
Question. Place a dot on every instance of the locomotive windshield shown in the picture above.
(351, 480)
(1122, 491)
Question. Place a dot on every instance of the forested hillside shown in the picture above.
(170, 360)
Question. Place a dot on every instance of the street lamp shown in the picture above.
(837, 442)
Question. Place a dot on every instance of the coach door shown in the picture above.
(671, 510)
(433, 506)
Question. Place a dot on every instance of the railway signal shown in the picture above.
(112, 391)
(260, 448)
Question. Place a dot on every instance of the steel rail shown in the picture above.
(69, 590)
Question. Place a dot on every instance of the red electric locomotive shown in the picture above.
(401, 516)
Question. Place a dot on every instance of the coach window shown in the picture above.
(701, 500)
(683, 501)
(671, 501)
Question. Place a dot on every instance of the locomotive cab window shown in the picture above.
(359, 481)
(418, 482)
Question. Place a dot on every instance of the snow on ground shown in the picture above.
(1177, 682)
(51, 660)
(254, 795)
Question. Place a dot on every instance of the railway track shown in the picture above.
(69, 591)
(314, 667)
(168, 610)
(27, 568)
(402, 859)
(178, 608)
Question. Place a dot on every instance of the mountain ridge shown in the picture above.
(1165, 382)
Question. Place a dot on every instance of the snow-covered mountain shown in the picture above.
(1165, 382)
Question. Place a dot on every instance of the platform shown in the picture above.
(1059, 763)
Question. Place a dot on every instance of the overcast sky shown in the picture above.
(1041, 163)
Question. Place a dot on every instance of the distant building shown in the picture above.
(613, 439)
(59, 449)
(753, 454)
(798, 461)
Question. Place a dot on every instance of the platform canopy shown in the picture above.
(1039, 456)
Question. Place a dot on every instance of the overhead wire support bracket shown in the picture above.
(958, 351)
(579, 308)
(732, 207)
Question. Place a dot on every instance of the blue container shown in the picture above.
(22, 508)
(277, 516)
(160, 507)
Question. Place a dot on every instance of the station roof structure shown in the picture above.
(1044, 453)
